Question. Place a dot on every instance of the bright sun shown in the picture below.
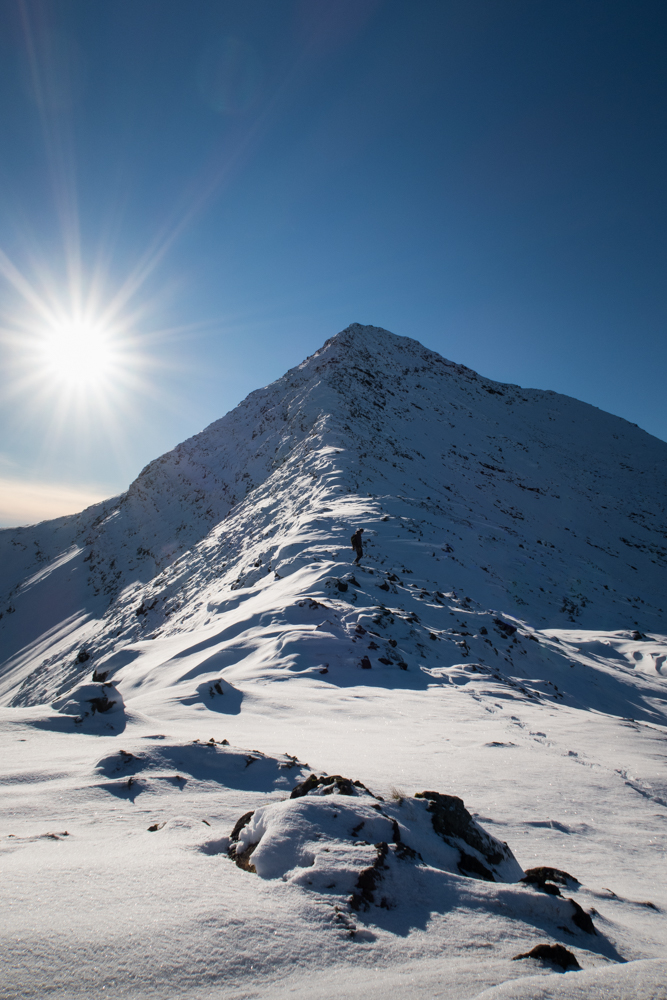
(78, 353)
(75, 352)
(79, 363)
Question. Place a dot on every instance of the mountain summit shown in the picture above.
(528, 503)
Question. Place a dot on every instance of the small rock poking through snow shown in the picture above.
(554, 954)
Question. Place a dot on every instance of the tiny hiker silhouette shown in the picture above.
(356, 544)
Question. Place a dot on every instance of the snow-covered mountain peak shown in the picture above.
(481, 697)
(368, 340)
(375, 347)
(532, 505)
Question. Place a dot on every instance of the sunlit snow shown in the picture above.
(184, 655)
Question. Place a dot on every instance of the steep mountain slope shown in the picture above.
(529, 503)
(492, 675)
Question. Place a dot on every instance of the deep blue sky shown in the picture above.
(487, 176)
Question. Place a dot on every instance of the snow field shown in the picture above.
(172, 659)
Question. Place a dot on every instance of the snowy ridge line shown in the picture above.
(501, 641)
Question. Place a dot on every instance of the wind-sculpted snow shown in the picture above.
(501, 641)
(638, 981)
(202, 761)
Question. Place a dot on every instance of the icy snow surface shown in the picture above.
(174, 662)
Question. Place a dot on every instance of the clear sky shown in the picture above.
(195, 194)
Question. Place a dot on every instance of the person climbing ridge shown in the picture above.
(356, 544)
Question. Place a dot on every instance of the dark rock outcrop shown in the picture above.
(329, 783)
(548, 879)
(368, 880)
(242, 858)
(451, 820)
(555, 954)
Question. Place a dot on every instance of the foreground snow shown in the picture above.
(167, 912)
(188, 654)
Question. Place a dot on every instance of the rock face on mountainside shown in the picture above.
(527, 504)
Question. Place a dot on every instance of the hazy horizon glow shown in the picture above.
(23, 502)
